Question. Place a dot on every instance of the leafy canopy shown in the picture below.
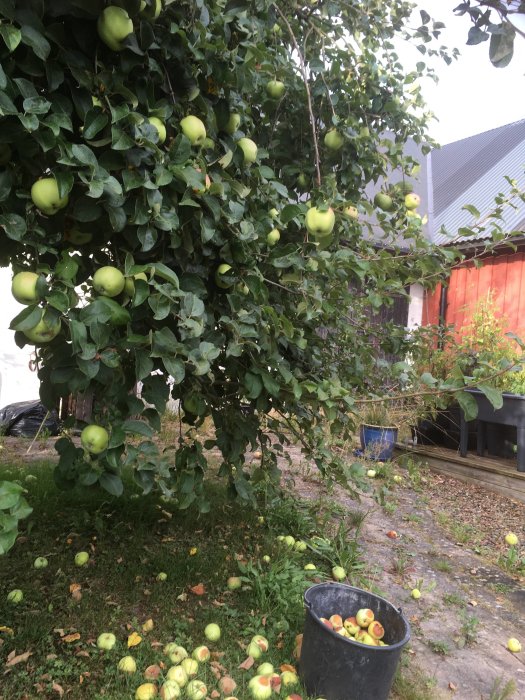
(248, 332)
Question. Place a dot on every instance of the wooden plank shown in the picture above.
(457, 289)
(471, 292)
(499, 281)
(496, 475)
(485, 277)
(511, 304)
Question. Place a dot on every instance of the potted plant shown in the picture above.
(378, 433)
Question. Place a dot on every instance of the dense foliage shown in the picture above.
(250, 331)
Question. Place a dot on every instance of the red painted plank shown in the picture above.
(457, 310)
(431, 307)
(512, 290)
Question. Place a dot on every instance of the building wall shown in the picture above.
(503, 274)
(17, 382)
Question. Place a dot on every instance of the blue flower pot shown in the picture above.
(378, 442)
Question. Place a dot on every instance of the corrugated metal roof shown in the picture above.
(458, 165)
(472, 171)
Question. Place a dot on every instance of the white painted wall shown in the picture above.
(17, 382)
(415, 307)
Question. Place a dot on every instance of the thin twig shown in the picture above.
(308, 93)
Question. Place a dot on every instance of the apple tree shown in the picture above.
(182, 187)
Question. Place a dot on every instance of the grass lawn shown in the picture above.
(48, 641)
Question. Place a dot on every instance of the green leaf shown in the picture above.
(11, 35)
(95, 122)
(33, 38)
(493, 395)
(468, 404)
(112, 483)
(501, 49)
(36, 105)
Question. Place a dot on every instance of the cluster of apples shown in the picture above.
(362, 627)
(385, 202)
(338, 572)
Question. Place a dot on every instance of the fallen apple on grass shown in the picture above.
(514, 645)
(177, 674)
(234, 583)
(196, 690)
(81, 558)
(40, 563)
(338, 573)
(161, 576)
(190, 666)
(201, 654)
(212, 632)
(416, 593)
(106, 641)
(371, 473)
(146, 691)
(15, 596)
(511, 539)
(127, 664)
(260, 687)
(170, 690)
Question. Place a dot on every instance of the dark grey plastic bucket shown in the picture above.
(337, 668)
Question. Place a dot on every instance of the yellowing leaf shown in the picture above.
(7, 630)
(71, 637)
(134, 639)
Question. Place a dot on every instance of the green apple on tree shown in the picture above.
(106, 641)
(249, 149)
(160, 126)
(151, 11)
(222, 270)
(108, 281)
(233, 123)
(351, 212)
(23, 288)
(273, 237)
(47, 328)
(77, 237)
(334, 140)
(275, 89)
(383, 201)
(412, 200)
(320, 223)
(193, 128)
(46, 197)
(302, 181)
(113, 26)
(94, 438)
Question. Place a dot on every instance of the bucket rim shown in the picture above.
(328, 584)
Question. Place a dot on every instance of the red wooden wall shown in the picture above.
(504, 275)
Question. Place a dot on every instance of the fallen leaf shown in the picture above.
(452, 686)
(287, 667)
(473, 603)
(12, 659)
(134, 639)
(6, 630)
(227, 685)
(198, 589)
(183, 597)
(58, 689)
(74, 587)
(71, 637)
(247, 663)
(215, 694)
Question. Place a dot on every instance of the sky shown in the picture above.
(472, 96)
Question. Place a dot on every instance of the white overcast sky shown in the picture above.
(472, 96)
